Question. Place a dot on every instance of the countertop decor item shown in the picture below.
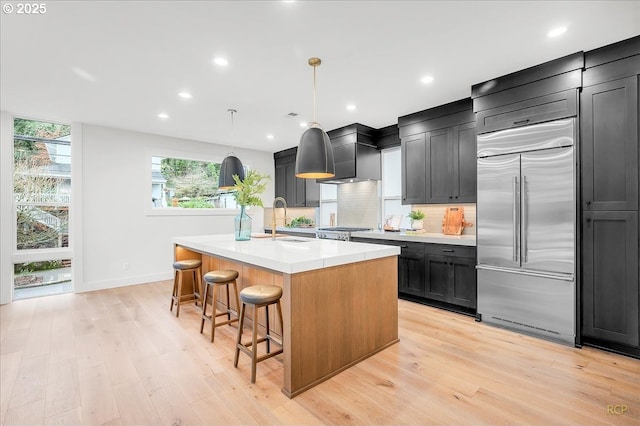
(453, 222)
(231, 165)
(301, 222)
(246, 193)
(314, 159)
(416, 217)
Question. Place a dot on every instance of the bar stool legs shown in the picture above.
(258, 296)
(214, 280)
(181, 267)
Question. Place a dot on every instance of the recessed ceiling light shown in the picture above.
(557, 32)
(426, 79)
(351, 107)
(84, 74)
(163, 116)
(220, 61)
(185, 95)
(303, 124)
(270, 136)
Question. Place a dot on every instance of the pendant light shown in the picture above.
(314, 159)
(231, 165)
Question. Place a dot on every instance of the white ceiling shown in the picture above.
(137, 56)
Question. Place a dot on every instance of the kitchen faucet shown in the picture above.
(273, 215)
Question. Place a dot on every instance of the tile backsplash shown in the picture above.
(434, 214)
(358, 204)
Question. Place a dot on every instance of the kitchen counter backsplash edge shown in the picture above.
(427, 237)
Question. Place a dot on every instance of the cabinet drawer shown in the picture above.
(536, 110)
(451, 250)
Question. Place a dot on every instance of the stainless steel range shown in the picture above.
(341, 233)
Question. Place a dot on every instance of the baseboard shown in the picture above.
(121, 282)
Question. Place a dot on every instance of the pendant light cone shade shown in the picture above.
(315, 155)
(231, 165)
(314, 159)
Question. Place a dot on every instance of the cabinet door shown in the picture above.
(538, 109)
(414, 169)
(439, 149)
(411, 271)
(610, 276)
(464, 163)
(609, 135)
(463, 282)
(437, 277)
(281, 181)
(312, 195)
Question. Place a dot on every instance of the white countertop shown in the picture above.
(427, 237)
(287, 254)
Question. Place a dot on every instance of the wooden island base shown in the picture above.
(333, 317)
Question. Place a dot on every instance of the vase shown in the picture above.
(417, 224)
(242, 224)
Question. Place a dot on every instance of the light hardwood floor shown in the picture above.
(119, 357)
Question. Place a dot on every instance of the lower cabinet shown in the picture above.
(439, 274)
(450, 273)
(411, 269)
(610, 271)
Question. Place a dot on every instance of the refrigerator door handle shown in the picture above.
(528, 272)
(515, 218)
(524, 249)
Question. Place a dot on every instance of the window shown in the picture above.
(392, 187)
(328, 204)
(42, 200)
(178, 183)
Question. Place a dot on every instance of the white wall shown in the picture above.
(117, 228)
(112, 224)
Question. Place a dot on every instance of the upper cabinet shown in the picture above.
(542, 93)
(439, 155)
(355, 154)
(609, 127)
(298, 192)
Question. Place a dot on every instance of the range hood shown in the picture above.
(355, 153)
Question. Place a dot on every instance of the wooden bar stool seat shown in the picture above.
(258, 296)
(182, 267)
(214, 280)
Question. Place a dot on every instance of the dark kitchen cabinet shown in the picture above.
(414, 169)
(609, 205)
(439, 162)
(450, 274)
(298, 192)
(545, 92)
(609, 137)
(610, 276)
(411, 269)
(438, 274)
(531, 111)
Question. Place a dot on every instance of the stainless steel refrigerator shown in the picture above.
(526, 229)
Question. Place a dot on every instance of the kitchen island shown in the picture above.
(340, 299)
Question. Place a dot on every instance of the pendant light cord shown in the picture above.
(314, 93)
(314, 62)
(232, 111)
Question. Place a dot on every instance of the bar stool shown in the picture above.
(216, 279)
(181, 267)
(258, 296)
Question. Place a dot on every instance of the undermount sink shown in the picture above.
(294, 240)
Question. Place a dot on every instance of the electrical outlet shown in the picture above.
(125, 266)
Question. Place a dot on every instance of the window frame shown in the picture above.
(183, 155)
